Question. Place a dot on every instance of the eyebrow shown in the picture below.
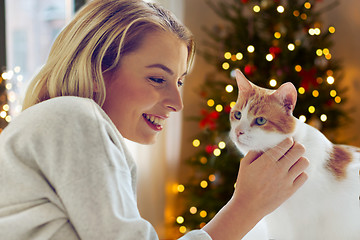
(163, 67)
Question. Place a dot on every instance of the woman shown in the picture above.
(113, 73)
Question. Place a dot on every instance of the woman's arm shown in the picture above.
(264, 182)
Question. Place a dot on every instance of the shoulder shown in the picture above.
(67, 106)
(58, 116)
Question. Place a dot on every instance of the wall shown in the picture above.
(346, 19)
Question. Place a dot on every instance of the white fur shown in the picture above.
(325, 208)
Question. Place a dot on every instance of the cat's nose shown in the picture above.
(239, 132)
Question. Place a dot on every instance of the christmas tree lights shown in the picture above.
(272, 42)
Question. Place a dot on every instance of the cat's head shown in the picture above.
(262, 118)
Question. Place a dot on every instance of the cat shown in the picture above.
(327, 206)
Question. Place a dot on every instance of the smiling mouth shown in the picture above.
(154, 122)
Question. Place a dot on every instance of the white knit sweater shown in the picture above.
(65, 173)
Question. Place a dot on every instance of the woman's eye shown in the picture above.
(157, 80)
(237, 115)
(260, 121)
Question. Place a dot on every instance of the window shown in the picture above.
(31, 27)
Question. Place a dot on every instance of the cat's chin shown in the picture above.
(245, 148)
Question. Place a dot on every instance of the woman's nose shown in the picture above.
(174, 100)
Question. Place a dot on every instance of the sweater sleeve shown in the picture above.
(82, 157)
(78, 156)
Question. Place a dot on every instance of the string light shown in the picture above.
(217, 152)
(307, 5)
(212, 178)
(8, 86)
(319, 52)
(256, 8)
(315, 93)
(298, 68)
(180, 188)
(232, 104)
(319, 80)
(203, 160)
(251, 48)
(326, 51)
(314, 31)
(323, 117)
(196, 143)
(203, 214)
(193, 210)
(182, 229)
(302, 118)
(337, 99)
(225, 65)
(273, 83)
(311, 109)
(3, 114)
(219, 108)
(332, 29)
(303, 16)
(227, 55)
(210, 102)
(277, 35)
(296, 13)
(8, 118)
(330, 80)
(333, 93)
(269, 57)
(6, 107)
(239, 56)
(280, 9)
(291, 47)
(229, 88)
(301, 90)
(203, 184)
(222, 145)
(180, 220)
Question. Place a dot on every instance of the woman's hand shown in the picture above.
(264, 182)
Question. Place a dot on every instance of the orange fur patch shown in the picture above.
(263, 105)
(340, 157)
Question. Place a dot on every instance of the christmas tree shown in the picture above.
(272, 42)
(3, 103)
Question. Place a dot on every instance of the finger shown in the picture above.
(279, 150)
(300, 180)
(299, 167)
(250, 157)
(292, 156)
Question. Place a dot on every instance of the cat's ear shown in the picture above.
(243, 84)
(287, 95)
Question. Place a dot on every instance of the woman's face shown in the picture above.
(142, 92)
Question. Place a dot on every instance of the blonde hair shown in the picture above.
(94, 42)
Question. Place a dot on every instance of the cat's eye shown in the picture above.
(237, 115)
(260, 121)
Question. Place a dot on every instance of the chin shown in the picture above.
(148, 139)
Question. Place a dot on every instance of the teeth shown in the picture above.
(154, 120)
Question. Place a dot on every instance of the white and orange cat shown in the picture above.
(327, 206)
